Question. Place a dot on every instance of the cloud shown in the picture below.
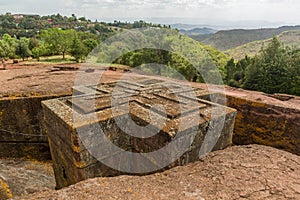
(270, 10)
(148, 3)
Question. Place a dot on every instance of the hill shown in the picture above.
(228, 39)
(177, 43)
(288, 38)
(27, 25)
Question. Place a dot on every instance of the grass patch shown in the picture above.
(52, 59)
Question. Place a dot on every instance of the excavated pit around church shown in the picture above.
(271, 120)
(73, 160)
(21, 128)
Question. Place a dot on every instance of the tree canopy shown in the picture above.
(275, 70)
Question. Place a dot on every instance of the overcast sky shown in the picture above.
(188, 11)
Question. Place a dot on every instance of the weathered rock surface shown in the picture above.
(5, 192)
(21, 127)
(272, 120)
(42, 79)
(241, 172)
(237, 173)
(21, 177)
(21, 93)
(182, 128)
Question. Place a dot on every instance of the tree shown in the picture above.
(90, 44)
(38, 51)
(238, 78)
(230, 69)
(73, 18)
(78, 49)
(22, 48)
(253, 76)
(7, 46)
(83, 19)
(28, 23)
(294, 73)
(8, 21)
(33, 42)
(59, 41)
(269, 71)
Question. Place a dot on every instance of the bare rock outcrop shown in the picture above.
(20, 177)
(272, 120)
(240, 172)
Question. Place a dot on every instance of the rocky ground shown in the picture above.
(58, 79)
(19, 80)
(24, 80)
(241, 172)
(20, 177)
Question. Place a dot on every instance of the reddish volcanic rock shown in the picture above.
(241, 172)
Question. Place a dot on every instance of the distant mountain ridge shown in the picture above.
(188, 26)
(198, 31)
(229, 39)
(288, 38)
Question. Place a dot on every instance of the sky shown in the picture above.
(284, 12)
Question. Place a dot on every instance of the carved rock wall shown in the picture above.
(266, 122)
(21, 134)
